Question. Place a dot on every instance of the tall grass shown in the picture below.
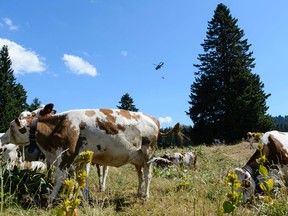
(174, 191)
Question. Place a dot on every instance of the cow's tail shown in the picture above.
(175, 129)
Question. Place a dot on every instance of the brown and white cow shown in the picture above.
(275, 148)
(116, 137)
(185, 159)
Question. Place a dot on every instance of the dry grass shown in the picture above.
(174, 192)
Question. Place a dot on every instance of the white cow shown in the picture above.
(116, 137)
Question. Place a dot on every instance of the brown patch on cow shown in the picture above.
(277, 152)
(89, 113)
(128, 115)
(108, 127)
(82, 125)
(108, 113)
(56, 132)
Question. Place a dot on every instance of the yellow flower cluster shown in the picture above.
(81, 179)
(72, 190)
(86, 157)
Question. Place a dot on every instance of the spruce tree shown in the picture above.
(127, 103)
(34, 105)
(226, 99)
(12, 95)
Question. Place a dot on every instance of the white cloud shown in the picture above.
(23, 60)
(8, 22)
(124, 53)
(78, 65)
(165, 120)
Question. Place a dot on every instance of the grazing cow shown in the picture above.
(275, 146)
(253, 137)
(116, 137)
(187, 160)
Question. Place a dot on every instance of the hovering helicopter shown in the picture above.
(159, 66)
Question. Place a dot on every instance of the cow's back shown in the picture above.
(282, 137)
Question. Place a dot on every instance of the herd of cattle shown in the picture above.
(116, 137)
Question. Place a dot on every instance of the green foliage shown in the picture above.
(268, 184)
(280, 123)
(25, 187)
(233, 197)
(12, 95)
(34, 105)
(126, 103)
(185, 184)
(226, 98)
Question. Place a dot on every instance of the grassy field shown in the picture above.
(175, 191)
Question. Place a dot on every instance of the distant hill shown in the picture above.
(280, 123)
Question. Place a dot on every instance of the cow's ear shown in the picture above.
(47, 109)
(18, 122)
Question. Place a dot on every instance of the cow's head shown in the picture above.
(18, 132)
(247, 183)
(43, 111)
(25, 114)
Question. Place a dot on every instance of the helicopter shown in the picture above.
(159, 66)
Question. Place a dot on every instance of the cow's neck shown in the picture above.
(252, 166)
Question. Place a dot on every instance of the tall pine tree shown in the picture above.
(127, 103)
(12, 95)
(227, 99)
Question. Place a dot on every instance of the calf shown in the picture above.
(116, 137)
(275, 146)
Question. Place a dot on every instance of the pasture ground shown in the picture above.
(175, 191)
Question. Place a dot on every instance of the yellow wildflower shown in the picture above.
(81, 179)
(86, 157)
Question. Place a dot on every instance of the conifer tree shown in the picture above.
(127, 103)
(34, 105)
(12, 95)
(226, 99)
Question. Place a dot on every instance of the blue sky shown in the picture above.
(88, 53)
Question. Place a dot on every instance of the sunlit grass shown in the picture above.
(175, 191)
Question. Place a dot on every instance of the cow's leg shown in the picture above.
(60, 176)
(140, 180)
(105, 170)
(85, 190)
(100, 176)
(49, 172)
(147, 178)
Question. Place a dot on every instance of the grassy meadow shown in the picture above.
(174, 191)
